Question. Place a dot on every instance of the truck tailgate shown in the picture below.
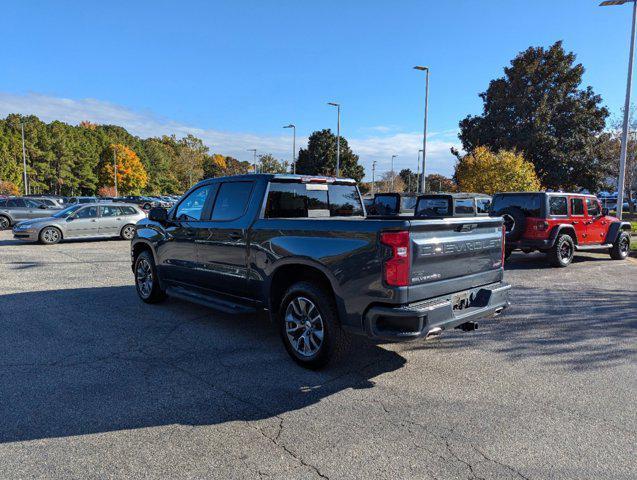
(447, 250)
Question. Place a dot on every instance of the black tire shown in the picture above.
(507, 253)
(127, 232)
(147, 206)
(50, 236)
(5, 222)
(621, 247)
(148, 292)
(514, 222)
(335, 341)
(561, 254)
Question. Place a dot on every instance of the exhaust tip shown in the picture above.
(498, 311)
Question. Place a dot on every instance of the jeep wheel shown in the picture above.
(561, 254)
(309, 326)
(4, 222)
(146, 280)
(621, 247)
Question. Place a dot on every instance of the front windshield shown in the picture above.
(67, 211)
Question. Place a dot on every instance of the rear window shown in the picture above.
(310, 200)
(386, 204)
(464, 206)
(232, 200)
(529, 203)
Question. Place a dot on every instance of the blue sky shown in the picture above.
(234, 72)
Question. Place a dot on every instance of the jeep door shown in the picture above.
(596, 223)
(177, 253)
(578, 218)
(222, 243)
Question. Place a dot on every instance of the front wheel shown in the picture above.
(50, 236)
(4, 222)
(309, 326)
(621, 247)
(561, 254)
(146, 279)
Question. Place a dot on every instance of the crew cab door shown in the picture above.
(596, 223)
(578, 219)
(222, 241)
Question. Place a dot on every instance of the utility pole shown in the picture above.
(293, 127)
(338, 136)
(392, 172)
(418, 174)
(24, 163)
(424, 136)
(373, 176)
(115, 170)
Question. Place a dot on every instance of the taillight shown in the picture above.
(504, 233)
(397, 266)
(541, 226)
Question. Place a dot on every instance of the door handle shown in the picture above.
(235, 236)
(575, 222)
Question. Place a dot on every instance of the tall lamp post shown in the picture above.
(424, 136)
(392, 172)
(254, 151)
(24, 163)
(629, 81)
(338, 136)
(293, 127)
(418, 173)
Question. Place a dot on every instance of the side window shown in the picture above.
(232, 200)
(31, 203)
(128, 211)
(295, 200)
(191, 208)
(15, 203)
(87, 212)
(464, 206)
(558, 206)
(592, 206)
(577, 206)
(111, 211)
(3, 203)
(483, 205)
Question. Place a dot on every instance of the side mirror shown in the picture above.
(70, 218)
(158, 214)
(604, 211)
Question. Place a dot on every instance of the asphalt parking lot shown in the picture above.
(96, 384)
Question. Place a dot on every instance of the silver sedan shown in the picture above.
(82, 221)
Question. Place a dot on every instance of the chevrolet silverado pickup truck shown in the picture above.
(302, 249)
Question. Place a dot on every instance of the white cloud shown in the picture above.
(378, 147)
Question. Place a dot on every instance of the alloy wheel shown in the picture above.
(128, 232)
(624, 245)
(565, 251)
(4, 223)
(51, 235)
(144, 278)
(304, 326)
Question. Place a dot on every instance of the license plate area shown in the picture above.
(462, 301)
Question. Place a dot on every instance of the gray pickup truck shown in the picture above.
(303, 249)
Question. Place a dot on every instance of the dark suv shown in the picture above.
(559, 224)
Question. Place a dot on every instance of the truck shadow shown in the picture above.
(575, 329)
(81, 361)
(535, 260)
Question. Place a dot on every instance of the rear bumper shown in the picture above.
(543, 244)
(412, 321)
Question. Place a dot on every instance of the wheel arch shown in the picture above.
(563, 229)
(137, 248)
(614, 229)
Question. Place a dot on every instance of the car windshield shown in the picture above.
(67, 211)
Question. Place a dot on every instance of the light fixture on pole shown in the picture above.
(418, 172)
(254, 164)
(338, 136)
(392, 172)
(622, 156)
(424, 136)
(24, 163)
(293, 127)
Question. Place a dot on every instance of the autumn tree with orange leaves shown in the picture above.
(131, 174)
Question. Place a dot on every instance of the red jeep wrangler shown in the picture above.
(558, 224)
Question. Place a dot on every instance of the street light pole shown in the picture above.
(24, 163)
(115, 170)
(293, 127)
(254, 150)
(424, 136)
(418, 173)
(392, 172)
(373, 176)
(629, 81)
(338, 136)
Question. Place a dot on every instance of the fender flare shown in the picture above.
(614, 229)
(561, 228)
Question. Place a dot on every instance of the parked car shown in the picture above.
(302, 248)
(436, 205)
(145, 202)
(559, 224)
(13, 210)
(49, 202)
(91, 220)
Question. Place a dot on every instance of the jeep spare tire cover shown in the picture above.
(514, 222)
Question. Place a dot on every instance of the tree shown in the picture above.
(188, 166)
(410, 179)
(612, 150)
(269, 164)
(131, 174)
(319, 158)
(106, 192)
(483, 171)
(385, 184)
(439, 183)
(538, 108)
(8, 188)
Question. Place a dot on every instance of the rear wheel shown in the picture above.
(561, 254)
(127, 232)
(147, 206)
(621, 247)
(4, 222)
(309, 326)
(50, 235)
(146, 279)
